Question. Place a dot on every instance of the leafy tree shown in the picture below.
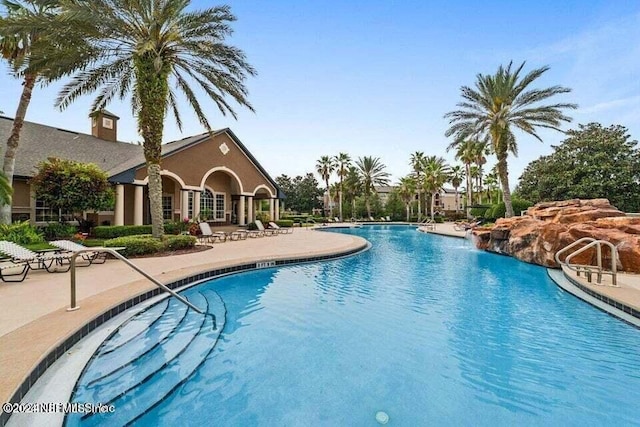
(395, 206)
(342, 162)
(303, 192)
(499, 103)
(372, 173)
(149, 50)
(594, 161)
(456, 176)
(465, 152)
(325, 167)
(73, 186)
(436, 174)
(406, 191)
(352, 187)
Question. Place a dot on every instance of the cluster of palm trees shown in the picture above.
(146, 50)
(355, 178)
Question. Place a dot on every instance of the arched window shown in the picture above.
(212, 206)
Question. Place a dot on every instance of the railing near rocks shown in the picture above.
(590, 269)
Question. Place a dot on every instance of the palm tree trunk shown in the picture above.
(327, 208)
(153, 89)
(407, 208)
(8, 166)
(503, 171)
(469, 192)
(457, 199)
(367, 204)
(433, 204)
(340, 201)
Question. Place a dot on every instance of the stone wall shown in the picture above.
(548, 227)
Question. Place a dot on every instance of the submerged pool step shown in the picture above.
(144, 382)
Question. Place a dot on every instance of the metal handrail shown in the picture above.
(588, 268)
(153, 280)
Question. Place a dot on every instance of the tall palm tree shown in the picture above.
(342, 161)
(465, 152)
(151, 49)
(481, 151)
(325, 167)
(436, 174)
(456, 176)
(372, 172)
(501, 102)
(407, 190)
(16, 45)
(352, 187)
(491, 181)
(416, 162)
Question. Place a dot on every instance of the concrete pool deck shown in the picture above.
(33, 316)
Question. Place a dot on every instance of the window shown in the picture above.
(219, 207)
(167, 208)
(107, 123)
(212, 205)
(45, 213)
(190, 205)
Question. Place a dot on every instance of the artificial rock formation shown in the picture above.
(548, 227)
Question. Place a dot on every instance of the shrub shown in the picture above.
(136, 245)
(479, 211)
(252, 226)
(21, 233)
(58, 230)
(499, 210)
(284, 223)
(111, 232)
(179, 242)
(438, 219)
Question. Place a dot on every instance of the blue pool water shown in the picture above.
(422, 327)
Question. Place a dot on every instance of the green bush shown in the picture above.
(179, 242)
(58, 230)
(21, 233)
(499, 210)
(284, 223)
(252, 226)
(479, 211)
(113, 231)
(438, 219)
(136, 245)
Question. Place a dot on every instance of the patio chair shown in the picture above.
(265, 231)
(465, 226)
(388, 218)
(428, 224)
(47, 261)
(21, 269)
(209, 236)
(96, 257)
(281, 230)
(237, 235)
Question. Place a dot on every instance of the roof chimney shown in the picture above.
(104, 125)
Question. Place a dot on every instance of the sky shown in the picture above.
(375, 78)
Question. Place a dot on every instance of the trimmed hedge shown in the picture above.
(113, 231)
(146, 244)
(499, 210)
(284, 223)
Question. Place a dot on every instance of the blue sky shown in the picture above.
(376, 77)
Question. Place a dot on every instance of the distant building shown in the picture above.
(445, 201)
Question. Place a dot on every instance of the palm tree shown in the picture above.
(352, 187)
(407, 190)
(342, 161)
(16, 47)
(436, 174)
(500, 102)
(481, 150)
(149, 49)
(465, 152)
(491, 180)
(455, 178)
(372, 173)
(474, 172)
(325, 167)
(416, 162)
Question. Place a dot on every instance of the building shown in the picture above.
(211, 175)
(445, 201)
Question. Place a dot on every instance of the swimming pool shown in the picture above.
(422, 327)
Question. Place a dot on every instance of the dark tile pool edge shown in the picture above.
(610, 303)
(50, 358)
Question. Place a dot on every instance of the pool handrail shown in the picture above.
(588, 268)
(113, 251)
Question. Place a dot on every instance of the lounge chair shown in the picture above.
(388, 218)
(336, 219)
(209, 236)
(465, 226)
(265, 231)
(96, 257)
(237, 235)
(26, 260)
(281, 230)
(428, 224)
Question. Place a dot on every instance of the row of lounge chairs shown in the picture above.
(18, 260)
(210, 236)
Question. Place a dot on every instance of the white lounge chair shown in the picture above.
(265, 231)
(18, 255)
(388, 218)
(281, 230)
(209, 236)
(96, 257)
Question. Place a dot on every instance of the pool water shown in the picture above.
(423, 327)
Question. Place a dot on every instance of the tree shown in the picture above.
(465, 152)
(436, 174)
(394, 206)
(498, 104)
(149, 49)
(303, 192)
(352, 187)
(16, 47)
(406, 191)
(592, 162)
(6, 190)
(342, 161)
(71, 186)
(416, 162)
(491, 181)
(372, 172)
(325, 167)
(456, 175)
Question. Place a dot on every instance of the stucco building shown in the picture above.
(212, 175)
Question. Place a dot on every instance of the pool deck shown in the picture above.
(33, 315)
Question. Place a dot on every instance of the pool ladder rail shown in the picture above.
(589, 270)
(114, 252)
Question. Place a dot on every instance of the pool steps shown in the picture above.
(137, 374)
